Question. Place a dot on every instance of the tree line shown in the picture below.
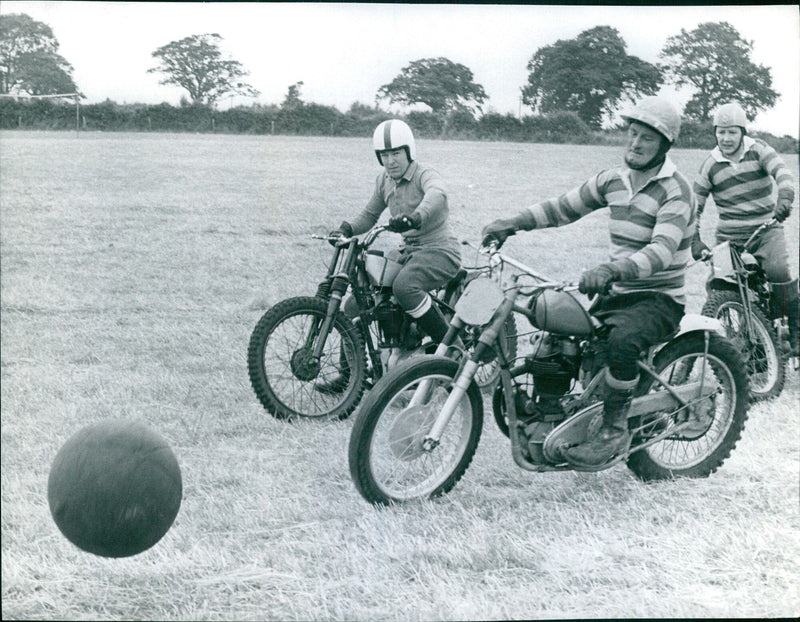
(574, 89)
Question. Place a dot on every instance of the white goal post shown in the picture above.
(75, 96)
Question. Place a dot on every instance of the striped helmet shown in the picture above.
(393, 134)
(731, 114)
(658, 113)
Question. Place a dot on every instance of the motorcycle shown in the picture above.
(740, 297)
(304, 342)
(419, 427)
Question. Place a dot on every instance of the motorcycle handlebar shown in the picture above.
(369, 236)
(496, 257)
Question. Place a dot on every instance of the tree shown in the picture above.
(589, 75)
(439, 83)
(715, 60)
(195, 63)
(292, 99)
(29, 58)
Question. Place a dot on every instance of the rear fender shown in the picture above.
(691, 324)
(694, 323)
(722, 283)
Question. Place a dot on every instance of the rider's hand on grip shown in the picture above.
(783, 209)
(344, 230)
(699, 248)
(401, 224)
(498, 232)
(598, 280)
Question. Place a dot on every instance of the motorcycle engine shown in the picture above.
(552, 364)
(390, 316)
(551, 369)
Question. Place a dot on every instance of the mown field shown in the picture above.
(133, 269)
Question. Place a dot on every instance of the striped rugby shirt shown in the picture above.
(743, 190)
(650, 229)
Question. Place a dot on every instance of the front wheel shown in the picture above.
(761, 349)
(286, 376)
(389, 462)
(694, 440)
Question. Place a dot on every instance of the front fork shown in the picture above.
(466, 371)
(338, 288)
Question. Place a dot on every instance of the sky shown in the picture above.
(344, 52)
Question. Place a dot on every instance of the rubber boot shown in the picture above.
(785, 299)
(432, 322)
(613, 437)
(339, 383)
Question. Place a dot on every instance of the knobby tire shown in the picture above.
(386, 462)
(283, 390)
(717, 422)
(765, 363)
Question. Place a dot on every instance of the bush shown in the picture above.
(695, 135)
(494, 126)
(556, 127)
(460, 124)
(425, 123)
(316, 120)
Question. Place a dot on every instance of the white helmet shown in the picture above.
(731, 114)
(658, 113)
(393, 134)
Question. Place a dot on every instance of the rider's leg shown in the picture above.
(636, 322)
(785, 297)
(613, 437)
(425, 270)
(773, 257)
(430, 319)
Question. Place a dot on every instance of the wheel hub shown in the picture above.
(408, 431)
(304, 366)
(700, 420)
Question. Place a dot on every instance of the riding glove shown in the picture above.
(344, 230)
(598, 280)
(783, 209)
(498, 232)
(401, 224)
(698, 246)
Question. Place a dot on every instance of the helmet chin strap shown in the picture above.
(656, 161)
(738, 146)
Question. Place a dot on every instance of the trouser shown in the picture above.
(769, 248)
(424, 269)
(636, 321)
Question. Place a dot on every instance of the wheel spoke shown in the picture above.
(700, 428)
(401, 468)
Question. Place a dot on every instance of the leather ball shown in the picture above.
(115, 488)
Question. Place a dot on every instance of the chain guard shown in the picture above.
(573, 431)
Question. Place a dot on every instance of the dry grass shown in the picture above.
(134, 268)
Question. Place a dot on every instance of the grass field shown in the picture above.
(134, 267)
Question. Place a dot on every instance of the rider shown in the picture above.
(641, 293)
(417, 200)
(739, 174)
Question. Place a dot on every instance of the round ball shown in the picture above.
(114, 488)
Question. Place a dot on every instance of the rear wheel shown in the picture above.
(388, 462)
(697, 439)
(283, 371)
(763, 357)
